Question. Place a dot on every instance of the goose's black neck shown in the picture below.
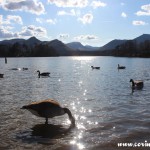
(39, 73)
(71, 118)
(133, 84)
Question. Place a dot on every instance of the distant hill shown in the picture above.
(137, 47)
(59, 46)
(32, 41)
(142, 38)
(76, 45)
(112, 44)
(12, 41)
(88, 47)
(80, 47)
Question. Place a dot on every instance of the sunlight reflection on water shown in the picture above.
(84, 58)
(101, 101)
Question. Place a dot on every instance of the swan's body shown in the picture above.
(45, 74)
(48, 109)
(121, 67)
(1, 75)
(137, 83)
(95, 67)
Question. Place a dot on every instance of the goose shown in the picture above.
(48, 109)
(137, 83)
(15, 69)
(121, 67)
(24, 68)
(1, 75)
(95, 67)
(43, 74)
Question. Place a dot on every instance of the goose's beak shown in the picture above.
(23, 107)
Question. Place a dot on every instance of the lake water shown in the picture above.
(106, 110)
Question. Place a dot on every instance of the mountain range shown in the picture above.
(73, 48)
(110, 45)
(80, 47)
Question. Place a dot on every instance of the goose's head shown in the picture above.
(71, 118)
(131, 80)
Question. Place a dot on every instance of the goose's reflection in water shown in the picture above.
(48, 134)
(50, 130)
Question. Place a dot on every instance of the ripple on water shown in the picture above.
(105, 108)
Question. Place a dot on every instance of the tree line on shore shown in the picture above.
(130, 48)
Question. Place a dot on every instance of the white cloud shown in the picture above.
(96, 4)
(32, 30)
(1, 19)
(71, 13)
(145, 11)
(10, 19)
(40, 20)
(138, 23)
(16, 19)
(26, 31)
(86, 37)
(32, 6)
(69, 3)
(87, 18)
(51, 21)
(1, 1)
(6, 33)
(123, 14)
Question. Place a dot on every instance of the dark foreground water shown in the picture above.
(106, 110)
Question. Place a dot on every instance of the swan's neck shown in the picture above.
(71, 118)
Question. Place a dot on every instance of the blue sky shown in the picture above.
(92, 22)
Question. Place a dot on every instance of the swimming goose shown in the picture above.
(1, 75)
(43, 74)
(24, 68)
(15, 69)
(137, 83)
(121, 67)
(95, 67)
(48, 109)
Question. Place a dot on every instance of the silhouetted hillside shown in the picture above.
(32, 47)
(142, 38)
(112, 44)
(79, 47)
